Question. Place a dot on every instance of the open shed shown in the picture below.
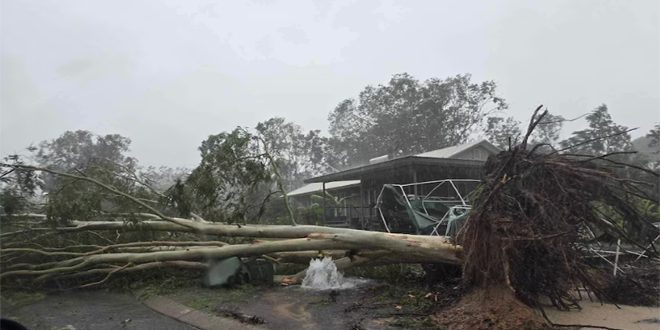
(456, 162)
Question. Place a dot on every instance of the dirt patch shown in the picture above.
(495, 308)
(597, 314)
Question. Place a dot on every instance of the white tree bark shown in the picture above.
(366, 246)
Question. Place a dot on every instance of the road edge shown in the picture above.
(193, 317)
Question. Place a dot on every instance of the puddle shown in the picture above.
(295, 307)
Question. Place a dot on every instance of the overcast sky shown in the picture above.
(169, 73)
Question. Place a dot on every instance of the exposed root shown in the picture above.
(492, 308)
(526, 228)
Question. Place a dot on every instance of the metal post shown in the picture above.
(324, 210)
(616, 258)
(414, 175)
(362, 221)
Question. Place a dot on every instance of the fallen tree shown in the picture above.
(527, 235)
(525, 239)
(23, 256)
(417, 248)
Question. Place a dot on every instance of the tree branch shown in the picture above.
(107, 187)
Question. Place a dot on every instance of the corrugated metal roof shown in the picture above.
(439, 156)
(318, 187)
(449, 152)
(397, 163)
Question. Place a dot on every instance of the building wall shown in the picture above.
(373, 182)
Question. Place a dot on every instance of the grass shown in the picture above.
(20, 298)
(207, 299)
(149, 284)
(398, 273)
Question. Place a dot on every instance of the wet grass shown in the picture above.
(208, 299)
(400, 299)
(148, 287)
(399, 273)
(20, 298)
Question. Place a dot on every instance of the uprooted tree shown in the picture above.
(531, 223)
(23, 256)
(525, 238)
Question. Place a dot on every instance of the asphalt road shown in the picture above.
(81, 310)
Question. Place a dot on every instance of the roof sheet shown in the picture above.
(439, 156)
(449, 152)
(317, 187)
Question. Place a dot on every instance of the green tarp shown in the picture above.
(412, 218)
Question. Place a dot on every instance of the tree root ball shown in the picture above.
(492, 308)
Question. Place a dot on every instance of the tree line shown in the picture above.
(243, 173)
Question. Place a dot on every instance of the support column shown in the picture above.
(362, 221)
(414, 175)
(325, 221)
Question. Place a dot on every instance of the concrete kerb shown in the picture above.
(193, 317)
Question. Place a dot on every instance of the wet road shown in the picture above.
(293, 307)
(90, 310)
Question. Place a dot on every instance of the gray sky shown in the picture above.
(169, 73)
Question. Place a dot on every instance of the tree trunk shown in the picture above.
(292, 242)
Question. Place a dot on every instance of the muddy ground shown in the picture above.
(371, 305)
(404, 304)
(378, 306)
(408, 303)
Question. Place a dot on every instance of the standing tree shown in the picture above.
(84, 149)
(241, 171)
(18, 188)
(591, 140)
(102, 157)
(648, 148)
(407, 116)
(299, 155)
(503, 133)
(547, 131)
(654, 137)
(501, 130)
(232, 169)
